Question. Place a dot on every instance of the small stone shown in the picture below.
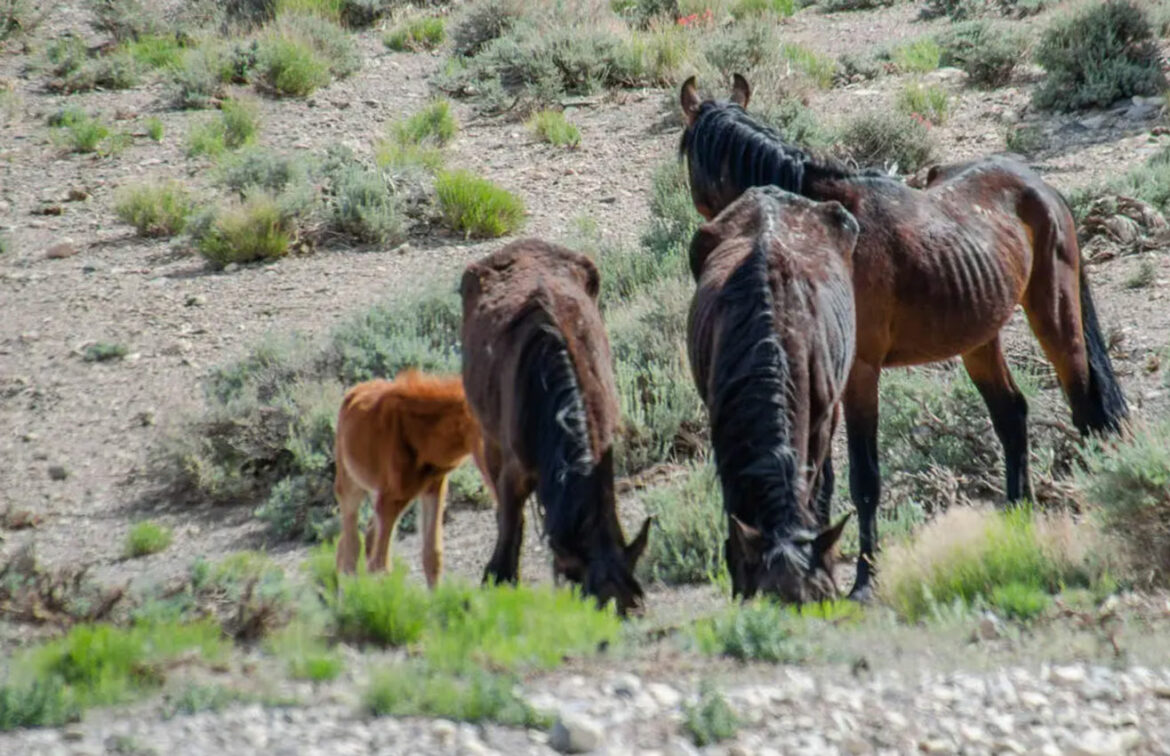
(1033, 700)
(735, 749)
(677, 746)
(1008, 745)
(402, 249)
(990, 628)
(231, 267)
(72, 734)
(1068, 676)
(195, 300)
(76, 194)
(575, 733)
(666, 696)
(444, 731)
(58, 472)
(856, 746)
(1099, 743)
(627, 685)
(146, 418)
(49, 210)
(61, 250)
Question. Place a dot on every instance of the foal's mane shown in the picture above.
(725, 142)
(751, 431)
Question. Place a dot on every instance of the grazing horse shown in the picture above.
(539, 377)
(771, 339)
(396, 440)
(937, 273)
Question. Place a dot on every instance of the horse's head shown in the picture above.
(709, 197)
(796, 568)
(608, 576)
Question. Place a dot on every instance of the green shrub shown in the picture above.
(147, 538)
(920, 56)
(304, 651)
(193, 699)
(80, 132)
(930, 102)
(332, 43)
(551, 126)
(1097, 56)
(1149, 182)
(397, 157)
(124, 19)
(690, 528)
(1144, 276)
(198, 80)
(743, 48)
(1020, 601)
(1025, 140)
(472, 696)
(796, 122)
(710, 720)
(154, 129)
(259, 168)
(156, 51)
(482, 23)
(1128, 482)
(424, 33)
(104, 352)
(235, 127)
(65, 56)
(290, 66)
(834, 6)
(154, 209)
(326, 9)
(43, 702)
(968, 554)
(118, 70)
(880, 137)
(476, 206)
(742, 9)
(754, 631)
(819, 68)
(255, 230)
(20, 18)
(385, 609)
(987, 52)
(364, 206)
(434, 124)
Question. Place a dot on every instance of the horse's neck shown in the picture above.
(829, 185)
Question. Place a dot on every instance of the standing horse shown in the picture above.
(770, 340)
(399, 439)
(936, 273)
(539, 376)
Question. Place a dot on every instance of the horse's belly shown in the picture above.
(923, 334)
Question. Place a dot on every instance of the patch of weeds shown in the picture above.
(247, 593)
(755, 631)
(967, 553)
(885, 137)
(481, 23)
(64, 596)
(259, 168)
(1026, 140)
(474, 695)
(155, 210)
(385, 609)
(235, 127)
(742, 48)
(836, 6)
(79, 131)
(1096, 56)
(256, 230)
(364, 206)
(476, 206)
(42, 702)
(710, 720)
(417, 34)
(147, 538)
(154, 129)
(156, 50)
(1144, 276)
(1129, 484)
(1149, 182)
(20, 18)
(193, 699)
(930, 102)
(551, 126)
(742, 9)
(199, 78)
(465, 485)
(796, 122)
(118, 70)
(690, 527)
(303, 649)
(987, 52)
(65, 56)
(123, 19)
(820, 68)
(434, 124)
(104, 352)
(658, 55)
(290, 66)
(919, 56)
(1020, 601)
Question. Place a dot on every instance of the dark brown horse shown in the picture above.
(539, 376)
(771, 339)
(936, 273)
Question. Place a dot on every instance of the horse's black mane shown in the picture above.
(750, 429)
(726, 143)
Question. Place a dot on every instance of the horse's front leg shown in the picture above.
(512, 489)
(861, 430)
(1009, 413)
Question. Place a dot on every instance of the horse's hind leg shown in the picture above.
(865, 484)
(1009, 412)
(387, 510)
(349, 497)
(513, 488)
(431, 505)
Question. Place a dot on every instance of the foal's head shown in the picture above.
(795, 568)
(608, 575)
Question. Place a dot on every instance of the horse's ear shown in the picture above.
(638, 545)
(749, 540)
(703, 243)
(822, 546)
(470, 285)
(843, 223)
(592, 281)
(689, 100)
(741, 91)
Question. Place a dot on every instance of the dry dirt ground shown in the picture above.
(101, 422)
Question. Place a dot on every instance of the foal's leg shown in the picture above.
(349, 497)
(386, 513)
(861, 430)
(825, 480)
(513, 488)
(1009, 412)
(431, 505)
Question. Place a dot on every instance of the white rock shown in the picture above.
(576, 733)
(1068, 676)
(677, 746)
(666, 696)
(1100, 743)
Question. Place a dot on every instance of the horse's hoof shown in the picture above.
(862, 594)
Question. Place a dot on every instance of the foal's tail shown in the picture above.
(1107, 404)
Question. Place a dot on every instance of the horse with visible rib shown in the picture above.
(539, 377)
(399, 439)
(936, 273)
(770, 339)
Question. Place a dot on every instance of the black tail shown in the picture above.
(1107, 404)
(750, 426)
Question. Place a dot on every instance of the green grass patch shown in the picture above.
(290, 66)
(929, 102)
(920, 56)
(1020, 601)
(986, 51)
(472, 696)
(417, 34)
(104, 351)
(690, 527)
(476, 206)
(78, 131)
(236, 126)
(193, 699)
(888, 137)
(710, 720)
(755, 631)
(551, 126)
(820, 68)
(745, 9)
(154, 209)
(147, 538)
(302, 647)
(256, 230)
(156, 51)
(44, 702)
(1144, 276)
(388, 609)
(434, 124)
(1149, 182)
(154, 129)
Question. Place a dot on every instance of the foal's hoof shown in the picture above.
(862, 594)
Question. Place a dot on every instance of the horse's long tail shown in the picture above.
(1108, 407)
